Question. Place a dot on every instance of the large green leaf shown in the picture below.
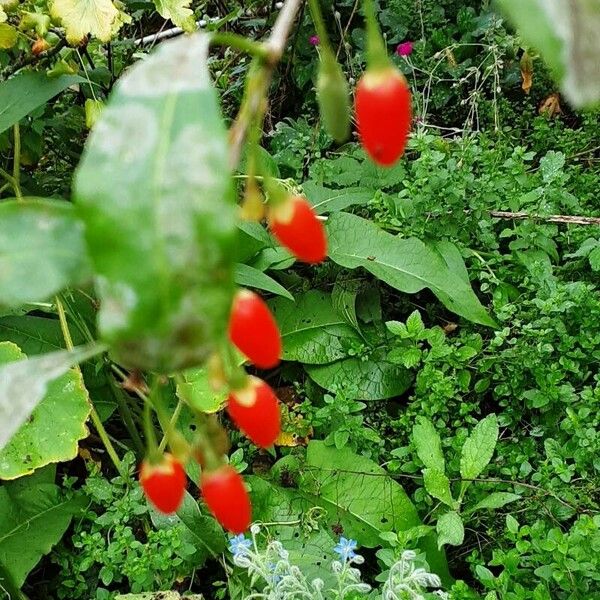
(362, 497)
(156, 195)
(310, 549)
(196, 390)
(326, 200)
(408, 265)
(312, 331)
(33, 517)
(53, 430)
(28, 90)
(41, 250)
(24, 383)
(358, 492)
(372, 379)
(35, 335)
(248, 276)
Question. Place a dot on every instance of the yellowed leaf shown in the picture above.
(8, 36)
(80, 17)
(450, 57)
(526, 72)
(551, 106)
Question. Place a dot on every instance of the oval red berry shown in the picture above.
(297, 228)
(225, 495)
(254, 331)
(383, 114)
(164, 483)
(255, 410)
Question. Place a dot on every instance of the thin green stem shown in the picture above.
(17, 162)
(171, 426)
(127, 416)
(110, 449)
(11, 181)
(377, 57)
(317, 17)
(242, 43)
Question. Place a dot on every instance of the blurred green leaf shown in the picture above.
(24, 92)
(41, 250)
(155, 191)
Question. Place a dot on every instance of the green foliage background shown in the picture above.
(440, 375)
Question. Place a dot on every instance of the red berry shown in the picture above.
(296, 226)
(225, 495)
(254, 331)
(164, 483)
(255, 410)
(383, 114)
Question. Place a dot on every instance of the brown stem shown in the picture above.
(254, 103)
(574, 220)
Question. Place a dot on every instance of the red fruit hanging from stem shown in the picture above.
(383, 114)
(254, 331)
(164, 483)
(295, 225)
(225, 495)
(255, 410)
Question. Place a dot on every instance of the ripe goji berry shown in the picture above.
(255, 410)
(254, 331)
(296, 226)
(383, 114)
(225, 495)
(164, 483)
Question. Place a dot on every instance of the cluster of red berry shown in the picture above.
(253, 407)
(383, 115)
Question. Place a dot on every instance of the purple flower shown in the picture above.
(404, 49)
(314, 40)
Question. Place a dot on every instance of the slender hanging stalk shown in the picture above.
(110, 449)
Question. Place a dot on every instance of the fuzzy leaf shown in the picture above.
(438, 486)
(450, 529)
(154, 189)
(428, 444)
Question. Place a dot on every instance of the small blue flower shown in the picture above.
(239, 545)
(345, 548)
(276, 578)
